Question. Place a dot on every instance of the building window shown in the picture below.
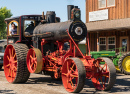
(105, 3)
(110, 3)
(107, 43)
(111, 43)
(102, 43)
(101, 3)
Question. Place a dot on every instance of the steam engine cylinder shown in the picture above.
(57, 31)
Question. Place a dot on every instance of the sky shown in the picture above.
(27, 7)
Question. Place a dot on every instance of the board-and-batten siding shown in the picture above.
(119, 11)
(117, 34)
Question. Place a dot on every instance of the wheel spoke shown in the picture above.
(102, 82)
(35, 62)
(7, 65)
(15, 67)
(14, 55)
(64, 74)
(31, 57)
(74, 76)
(67, 67)
(31, 65)
(72, 84)
(9, 52)
(97, 80)
(12, 52)
(7, 57)
(9, 73)
(15, 61)
(103, 67)
(72, 67)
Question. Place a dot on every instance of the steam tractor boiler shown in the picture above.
(44, 44)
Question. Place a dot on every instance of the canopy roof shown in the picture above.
(109, 25)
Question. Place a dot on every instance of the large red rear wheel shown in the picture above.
(73, 75)
(15, 63)
(104, 74)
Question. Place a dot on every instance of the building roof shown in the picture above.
(108, 25)
(17, 17)
(11, 18)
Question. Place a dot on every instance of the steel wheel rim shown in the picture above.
(31, 61)
(101, 76)
(126, 64)
(10, 63)
(70, 75)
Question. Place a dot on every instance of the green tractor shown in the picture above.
(121, 60)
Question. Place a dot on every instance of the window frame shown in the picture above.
(24, 27)
(103, 44)
(17, 27)
(106, 5)
(108, 41)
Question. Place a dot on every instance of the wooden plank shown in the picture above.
(129, 8)
(87, 11)
(122, 9)
(117, 9)
(96, 5)
(126, 7)
(90, 5)
(109, 14)
(119, 3)
(93, 5)
(114, 13)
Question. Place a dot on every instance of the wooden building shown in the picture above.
(108, 24)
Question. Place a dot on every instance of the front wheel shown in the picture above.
(104, 74)
(73, 75)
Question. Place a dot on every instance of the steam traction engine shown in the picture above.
(51, 46)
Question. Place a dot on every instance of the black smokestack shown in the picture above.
(69, 7)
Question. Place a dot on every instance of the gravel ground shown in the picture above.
(40, 84)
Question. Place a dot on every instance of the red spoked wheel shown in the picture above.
(10, 63)
(73, 75)
(104, 74)
(34, 60)
(15, 63)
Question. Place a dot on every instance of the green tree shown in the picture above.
(4, 13)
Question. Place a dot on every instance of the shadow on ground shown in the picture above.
(121, 85)
(6, 91)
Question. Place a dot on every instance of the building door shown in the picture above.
(124, 43)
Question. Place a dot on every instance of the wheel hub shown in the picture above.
(11, 63)
(128, 65)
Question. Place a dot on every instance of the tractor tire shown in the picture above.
(75, 83)
(124, 63)
(17, 67)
